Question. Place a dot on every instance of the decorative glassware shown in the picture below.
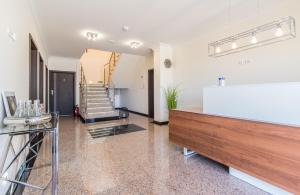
(221, 81)
(20, 112)
(42, 108)
(29, 111)
(36, 107)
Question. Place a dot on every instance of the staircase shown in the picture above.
(97, 100)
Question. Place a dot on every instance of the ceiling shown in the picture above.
(63, 22)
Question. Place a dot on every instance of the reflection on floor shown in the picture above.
(142, 162)
(113, 130)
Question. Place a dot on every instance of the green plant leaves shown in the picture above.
(171, 95)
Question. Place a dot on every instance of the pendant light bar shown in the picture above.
(276, 31)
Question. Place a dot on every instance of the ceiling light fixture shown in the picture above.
(135, 44)
(253, 39)
(234, 45)
(92, 36)
(112, 41)
(125, 28)
(279, 31)
(273, 32)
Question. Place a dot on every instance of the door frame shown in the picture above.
(47, 88)
(50, 84)
(41, 78)
(32, 43)
(149, 94)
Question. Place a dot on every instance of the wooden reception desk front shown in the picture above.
(269, 152)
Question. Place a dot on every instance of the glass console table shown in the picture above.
(33, 132)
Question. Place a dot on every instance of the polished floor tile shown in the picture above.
(142, 162)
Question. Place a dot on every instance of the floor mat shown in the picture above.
(114, 130)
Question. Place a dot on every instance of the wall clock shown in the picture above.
(168, 63)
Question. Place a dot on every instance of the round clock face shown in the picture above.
(168, 63)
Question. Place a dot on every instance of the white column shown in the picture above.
(163, 78)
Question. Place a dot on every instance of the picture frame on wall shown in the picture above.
(10, 102)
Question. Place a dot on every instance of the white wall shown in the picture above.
(131, 74)
(68, 65)
(14, 67)
(273, 63)
(93, 64)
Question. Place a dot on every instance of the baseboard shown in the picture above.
(161, 123)
(94, 120)
(258, 183)
(109, 118)
(134, 112)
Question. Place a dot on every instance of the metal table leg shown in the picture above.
(54, 160)
(187, 152)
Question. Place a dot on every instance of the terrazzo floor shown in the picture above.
(141, 163)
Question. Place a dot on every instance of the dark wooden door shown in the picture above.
(41, 79)
(47, 90)
(62, 92)
(151, 93)
(33, 70)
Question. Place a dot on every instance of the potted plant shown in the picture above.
(171, 95)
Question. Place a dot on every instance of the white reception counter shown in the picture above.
(275, 103)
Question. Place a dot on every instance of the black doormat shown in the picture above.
(115, 130)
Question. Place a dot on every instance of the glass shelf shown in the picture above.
(25, 129)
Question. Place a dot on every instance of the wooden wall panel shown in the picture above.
(267, 151)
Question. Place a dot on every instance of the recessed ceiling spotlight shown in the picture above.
(125, 28)
(135, 44)
(112, 41)
(92, 36)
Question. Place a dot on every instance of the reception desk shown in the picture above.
(258, 145)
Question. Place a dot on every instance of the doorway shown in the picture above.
(62, 92)
(151, 93)
(33, 69)
(41, 79)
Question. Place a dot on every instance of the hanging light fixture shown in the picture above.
(284, 29)
(233, 45)
(218, 49)
(253, 39)
(279, 31)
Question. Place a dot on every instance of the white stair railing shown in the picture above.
(83, 94)
(111, 93)
(108, 71)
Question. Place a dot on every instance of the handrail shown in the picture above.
(83, 87)
(111, 93)
(112, 53)
(108, 74)
(108, 83)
